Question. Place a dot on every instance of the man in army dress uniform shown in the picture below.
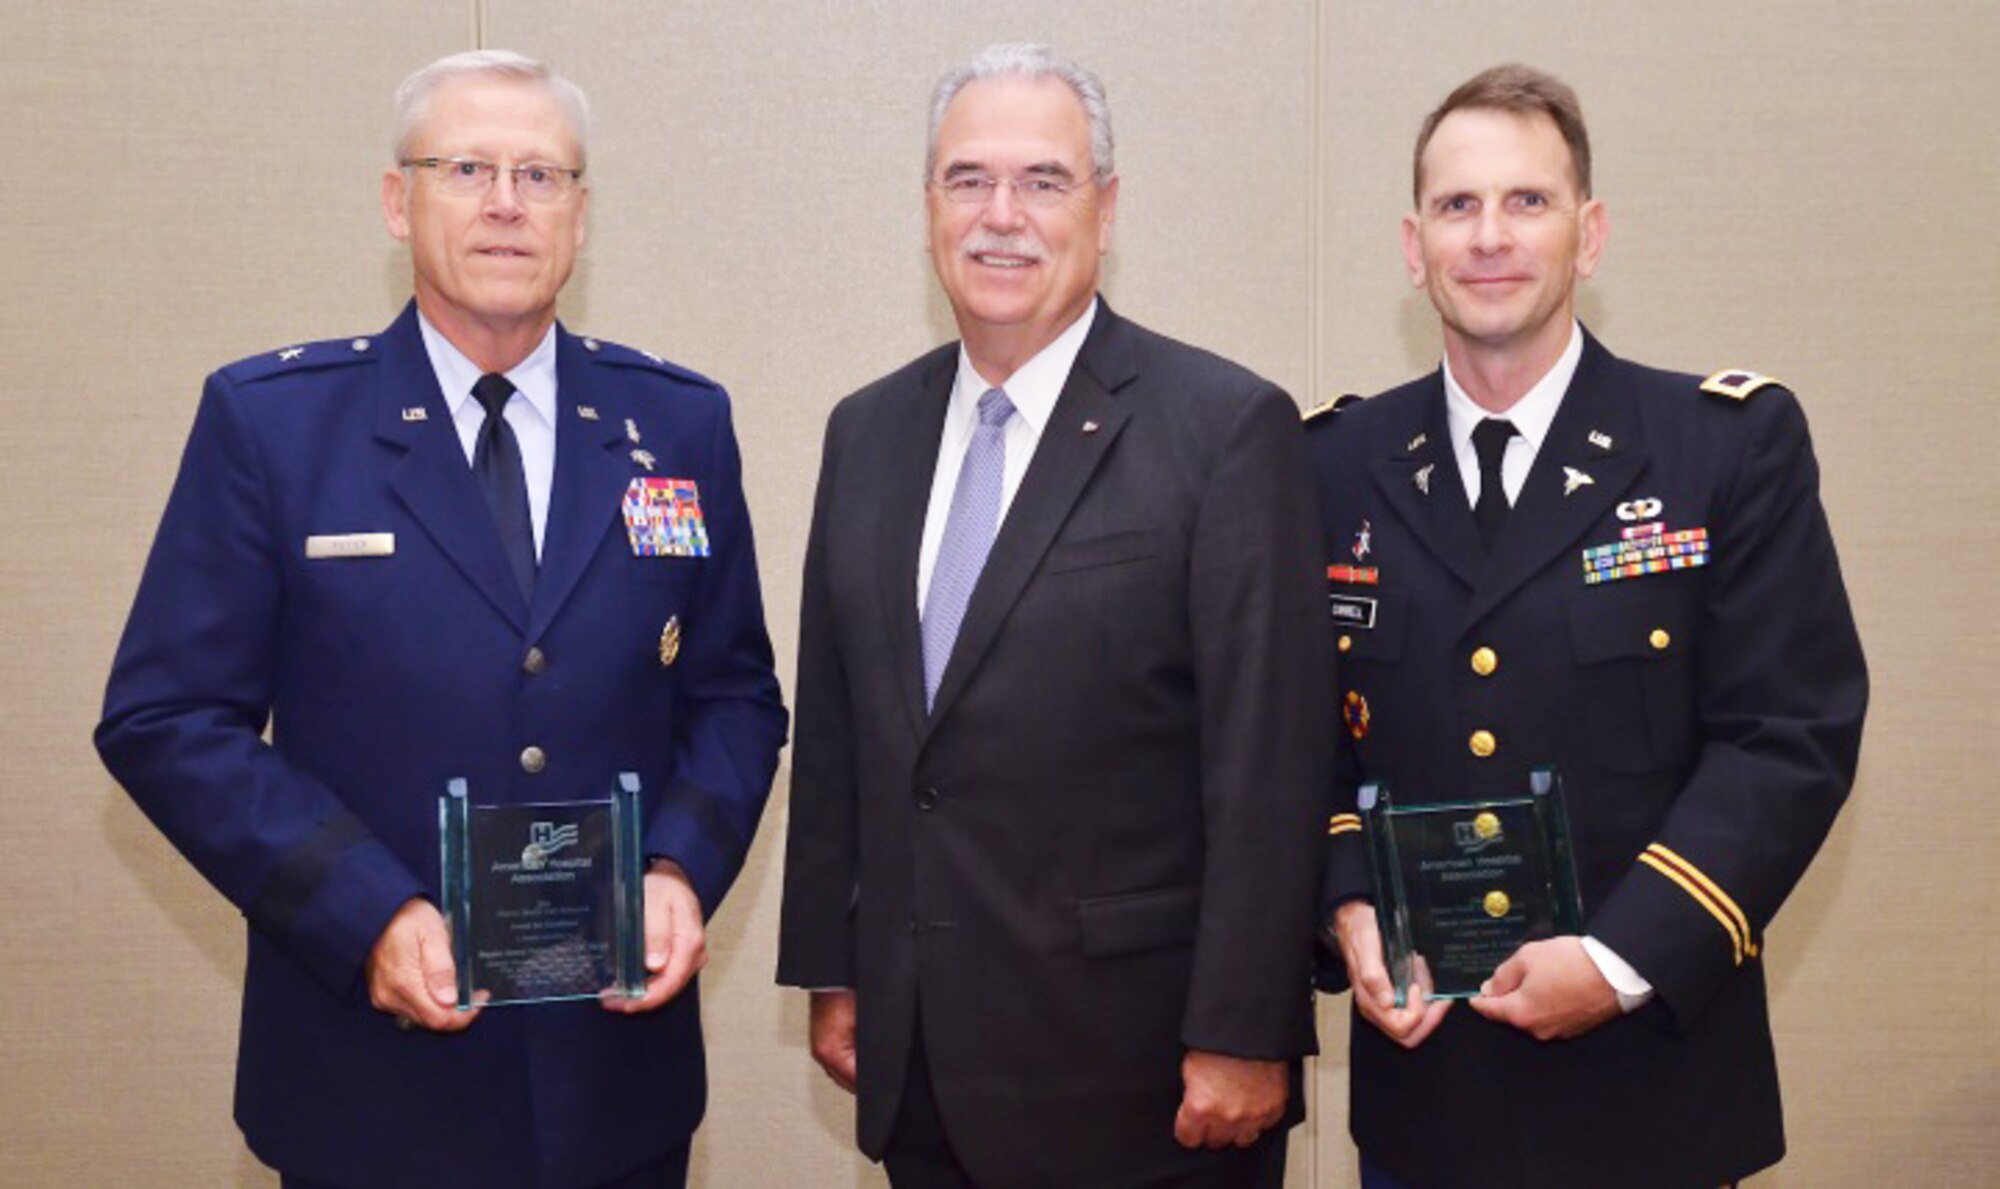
(434, 553)
(1543, 555)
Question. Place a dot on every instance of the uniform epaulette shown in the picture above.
(1325, 407)
(303, 357)
(606, 351)
(1737, 384)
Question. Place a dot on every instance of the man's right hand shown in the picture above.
(410, 972)
(1374, 995)
(833, 1035)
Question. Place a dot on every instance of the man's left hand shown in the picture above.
(1228, 1100)
(1550, 990)
(676, 947)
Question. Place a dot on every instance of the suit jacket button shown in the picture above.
(533, 760)
(1346, 642)
(1482, 743)
(1484, 661)
(534, 662)
(927, 798)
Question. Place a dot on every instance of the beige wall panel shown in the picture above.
(758, 215)
(190, 182)
(1804, 189)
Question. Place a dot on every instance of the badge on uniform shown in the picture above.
(1645, 549)
(1354, 709)
(663, 518)
(670, 642)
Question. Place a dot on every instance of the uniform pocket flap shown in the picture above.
(1617, 628)
(1134, 921)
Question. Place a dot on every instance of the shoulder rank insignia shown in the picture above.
(1737, 384)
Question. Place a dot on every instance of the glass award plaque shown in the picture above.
(545, 901)
(1459, 887)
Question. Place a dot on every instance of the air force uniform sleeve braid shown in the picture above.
(1780, 699)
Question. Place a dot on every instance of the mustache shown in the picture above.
(986, 243)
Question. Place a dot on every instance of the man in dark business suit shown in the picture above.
(1542, 555)
(471, 546)
(1041, 871)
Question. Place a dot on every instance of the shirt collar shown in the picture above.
(1532, 414)
(1035, 386)
(534, 377)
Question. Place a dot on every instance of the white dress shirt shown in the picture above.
(530, 412)
(1033, 390)
(1532, 415)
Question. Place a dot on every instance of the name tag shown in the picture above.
(1352, 611)
(350, 545)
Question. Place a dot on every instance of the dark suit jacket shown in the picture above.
(1706, 721)
(381, 678)
(1090, 856)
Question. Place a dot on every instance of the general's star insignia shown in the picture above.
(290, 353)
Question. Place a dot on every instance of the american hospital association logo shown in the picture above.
(545, 840)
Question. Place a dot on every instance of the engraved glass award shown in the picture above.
(1459, 887)
(544, 901)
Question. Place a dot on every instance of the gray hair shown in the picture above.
(1030, 62)
(413, 97)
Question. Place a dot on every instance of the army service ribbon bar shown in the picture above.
(663, 518)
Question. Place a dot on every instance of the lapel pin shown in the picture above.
(587, 412)
(1423, 477)
(290, 353)
(1573, 479)
(632, 430)
(359, 345)
(416, 413)
(1416, 443)
(1600, 439)
(1361, 548)
(591, 345)
(1090, 427)
(644, 458)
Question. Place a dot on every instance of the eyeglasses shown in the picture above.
(535, 181)
(978, 189)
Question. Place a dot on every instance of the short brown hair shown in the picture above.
(1524, 91)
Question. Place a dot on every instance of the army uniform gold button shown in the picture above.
(1484, 661)
(1659, 639)
(533, 760)
(1346, 642)
(534, 662)
(1482, 743)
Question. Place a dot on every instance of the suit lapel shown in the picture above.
(910, 438)
(591, 475)
(1588, 463)
(432, 478)
(1064, 460)
(1418, 475)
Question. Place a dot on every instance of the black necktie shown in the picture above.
(496, 463)
(1489, 442)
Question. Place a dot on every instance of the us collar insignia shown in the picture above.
(1600, 439)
